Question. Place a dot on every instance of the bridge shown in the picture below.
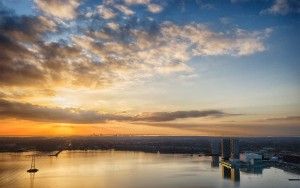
(56, 153)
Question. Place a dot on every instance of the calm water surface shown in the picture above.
(119, 169)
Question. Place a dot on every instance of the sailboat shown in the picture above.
(32, 167)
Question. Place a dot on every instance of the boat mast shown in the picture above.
(32, 166)
(32, 162)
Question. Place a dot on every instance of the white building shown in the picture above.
(251, 158)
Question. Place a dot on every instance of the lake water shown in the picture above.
(121, 169)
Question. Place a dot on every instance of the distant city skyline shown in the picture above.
(149, 67)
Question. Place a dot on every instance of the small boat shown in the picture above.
(32, 167)
(294, 179)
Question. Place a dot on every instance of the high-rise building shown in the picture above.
(235, 148)
(230, 173)
(214, 161)
(226, 172)
(235, 174)
(215, 147)
(226, 149)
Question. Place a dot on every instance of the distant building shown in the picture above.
(235, 148)
(226, 149)
(267, 153)
(215, 147)
(214, 161)
(251, 158)
(291, 158)
(275, 158)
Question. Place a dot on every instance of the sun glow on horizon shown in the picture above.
(149, 68)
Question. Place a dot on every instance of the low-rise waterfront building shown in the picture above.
(251, 158)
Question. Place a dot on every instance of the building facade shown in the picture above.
(226, 151)
(235, 148)
(215, 147)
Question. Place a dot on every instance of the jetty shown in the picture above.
(56, 153)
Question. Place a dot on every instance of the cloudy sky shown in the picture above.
(150, 67)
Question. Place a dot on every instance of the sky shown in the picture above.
(149, 67)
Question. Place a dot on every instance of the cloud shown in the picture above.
(151, 7)
(46, 53)
(203, 41)
(286, 119)
(124, 9)
(59, 115)
(132, 2)
(152, 48)
(17, 66)
(27, 60)
(231, 129)
(170, 116)
(105, 12)
(12, 93)
(3, 95)
(113, 26)
(63, 9)
(283, 7)
(225, 20)
(155, 8)
(24, 28)
(27, 111)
